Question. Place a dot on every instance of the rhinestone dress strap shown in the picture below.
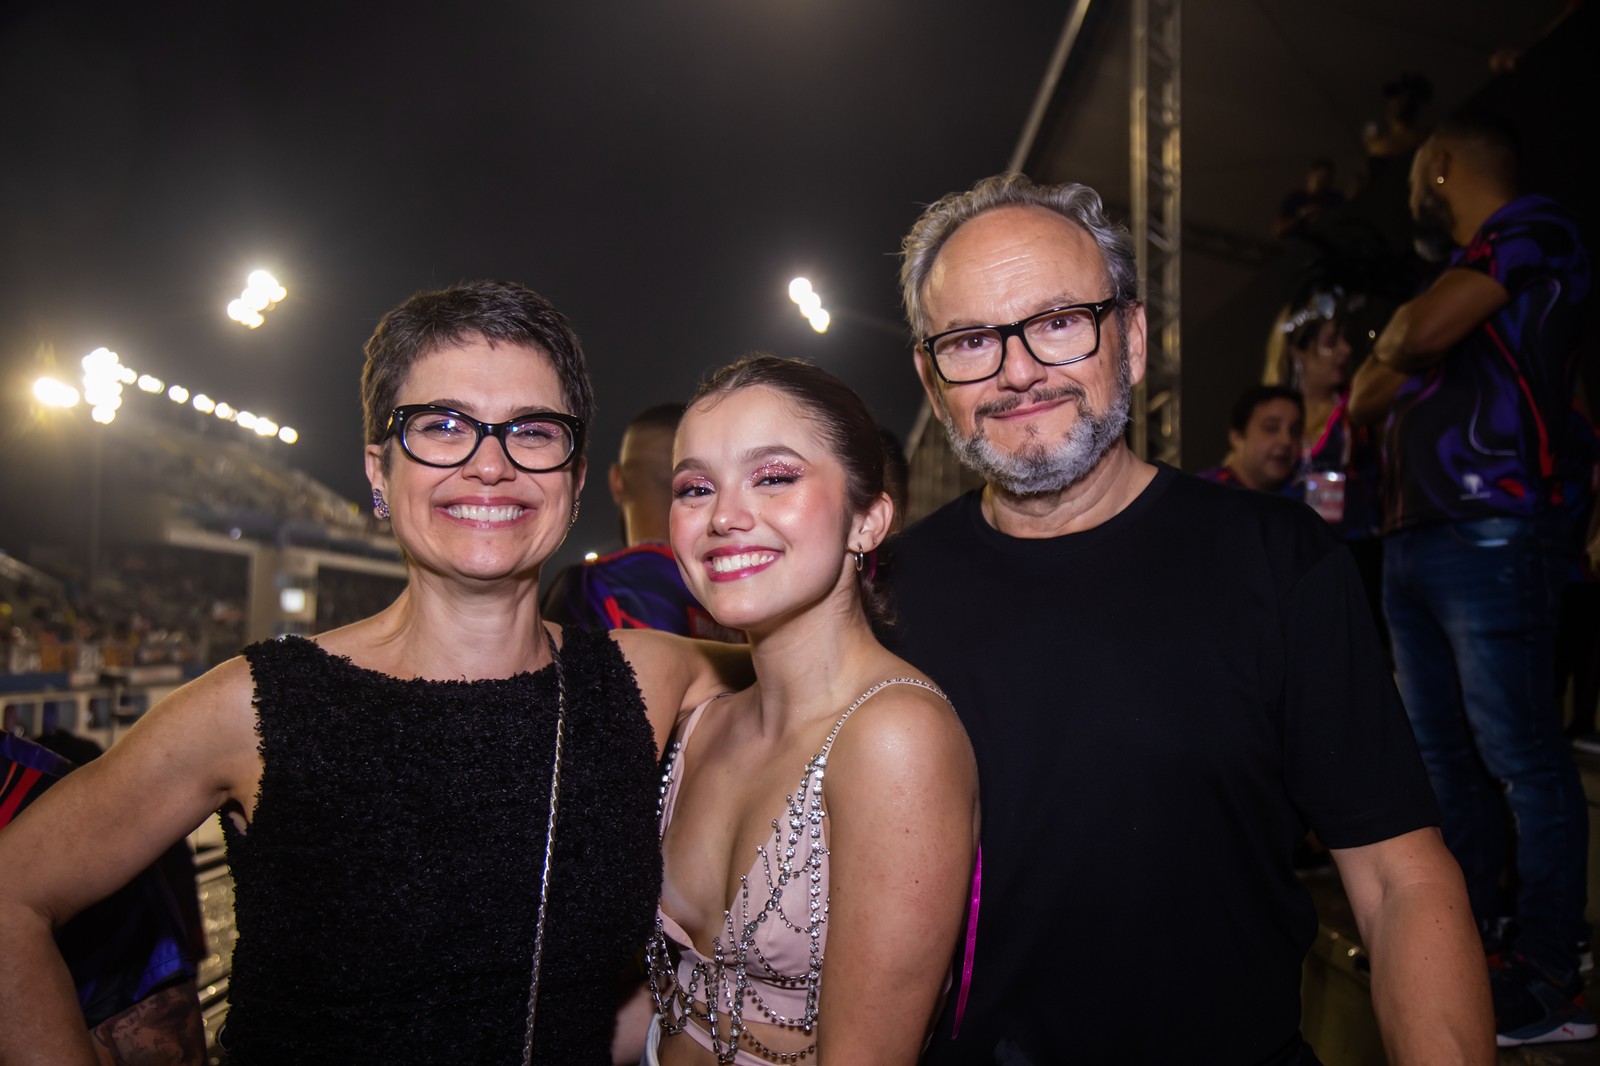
(739, 975)
(867, 695)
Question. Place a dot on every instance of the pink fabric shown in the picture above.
(972, 944)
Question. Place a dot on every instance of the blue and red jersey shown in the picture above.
(1483, 432)
(635, 588)
(133, 942)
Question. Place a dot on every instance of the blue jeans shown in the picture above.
(1472, 613)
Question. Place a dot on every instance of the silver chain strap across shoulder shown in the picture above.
(549, 851)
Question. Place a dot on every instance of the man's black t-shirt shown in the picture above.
(1160, 707)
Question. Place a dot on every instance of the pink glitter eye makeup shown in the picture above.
(776, 473)
(689, 487)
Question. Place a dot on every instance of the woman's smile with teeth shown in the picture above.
(483, 513)
(726, 564)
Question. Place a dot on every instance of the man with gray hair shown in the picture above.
(1166, 682)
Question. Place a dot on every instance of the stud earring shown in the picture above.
(380, 506)
(1439, 180)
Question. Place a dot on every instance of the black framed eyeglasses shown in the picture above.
(1056, 337)
(438, 436)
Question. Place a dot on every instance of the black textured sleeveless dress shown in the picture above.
(386, 890)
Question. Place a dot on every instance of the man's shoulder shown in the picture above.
(960, 521)
(1535, 208)
(1219, 488)
(1230, 518)
(647, 563)
(1532, 227)
(939, 528)
(1175, 501)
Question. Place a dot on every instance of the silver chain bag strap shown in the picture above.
(549, 851)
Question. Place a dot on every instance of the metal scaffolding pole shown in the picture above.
(1157, 220)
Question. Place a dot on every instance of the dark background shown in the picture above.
(658, 170)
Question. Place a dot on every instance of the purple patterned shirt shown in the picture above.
(1478, 434)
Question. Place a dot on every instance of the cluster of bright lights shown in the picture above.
(261, 293)
(104, 375)
(103, 378)
(800, 292)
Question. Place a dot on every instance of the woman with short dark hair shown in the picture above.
(440, 818)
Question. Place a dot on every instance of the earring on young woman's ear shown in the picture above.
(380, 506)
(861, 559)
(574, 519)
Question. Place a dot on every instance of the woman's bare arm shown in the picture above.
(95, 830)
(902, 801)
(676, 674)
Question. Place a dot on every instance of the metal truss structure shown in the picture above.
(1155, 163)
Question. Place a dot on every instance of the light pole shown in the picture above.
(58, 394)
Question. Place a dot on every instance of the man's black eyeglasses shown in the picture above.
(1057, 337)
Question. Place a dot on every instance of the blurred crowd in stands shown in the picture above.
(156, 605)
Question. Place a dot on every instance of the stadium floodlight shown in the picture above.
(100, 358)
(810, 304)
(104, 377)
(261, 293)
(54, 393)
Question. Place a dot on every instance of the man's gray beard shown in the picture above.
(1038, 467)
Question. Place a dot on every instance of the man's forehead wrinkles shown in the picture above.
(1008, 291)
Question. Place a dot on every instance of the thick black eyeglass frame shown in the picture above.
(497, 430)
(1014, 329)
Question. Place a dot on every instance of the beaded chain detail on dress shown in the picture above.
(725, 978)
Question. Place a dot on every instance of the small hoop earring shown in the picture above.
(861, 559)
(380, 506)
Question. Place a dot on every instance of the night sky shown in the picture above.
(658, 170)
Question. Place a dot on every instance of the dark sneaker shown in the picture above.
(1531, 1009)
